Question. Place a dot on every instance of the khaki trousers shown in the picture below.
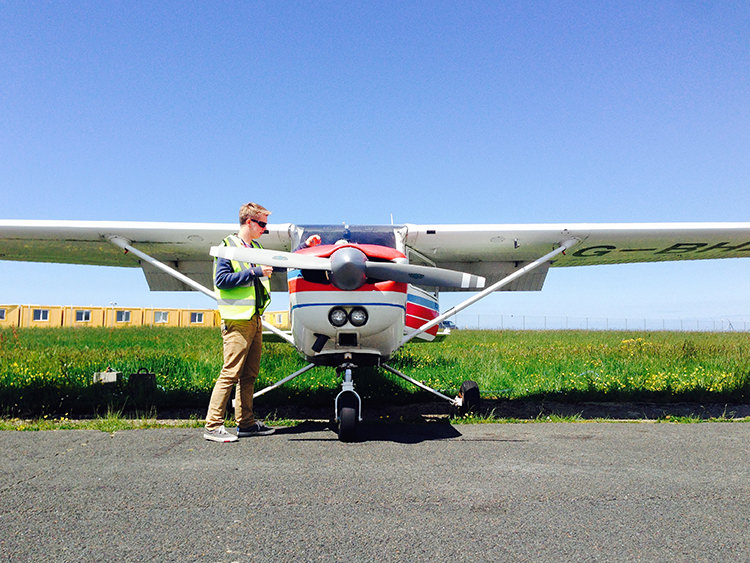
(243, 340)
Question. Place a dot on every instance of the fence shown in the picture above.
(535, 322)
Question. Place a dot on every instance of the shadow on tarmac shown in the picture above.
(371, 431)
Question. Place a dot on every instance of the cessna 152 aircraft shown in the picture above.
(366, 290)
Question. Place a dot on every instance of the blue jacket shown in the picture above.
(227, 278)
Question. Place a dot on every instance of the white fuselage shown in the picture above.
(367, 324)
(379, 336)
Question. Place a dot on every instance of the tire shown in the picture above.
(471, 400)
(348, 424)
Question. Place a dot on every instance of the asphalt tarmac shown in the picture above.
(408, 492)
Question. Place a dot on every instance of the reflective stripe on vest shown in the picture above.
(240, 302)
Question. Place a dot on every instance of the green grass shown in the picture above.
(493, 419)
(115, 421)
(589, 365)
(49, 371)
(110, 422)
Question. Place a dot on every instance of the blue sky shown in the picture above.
(430, 112)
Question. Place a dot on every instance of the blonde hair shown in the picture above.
(252, 211)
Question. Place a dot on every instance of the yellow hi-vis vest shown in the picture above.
(242, 302)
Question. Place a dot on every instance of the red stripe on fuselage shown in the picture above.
(420, 311)
(299, 284)
(371, 250)
(415, 322)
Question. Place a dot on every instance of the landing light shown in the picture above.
(337, 316)
(358, 316)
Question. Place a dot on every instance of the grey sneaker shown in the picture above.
(257, 428)
(219, 434)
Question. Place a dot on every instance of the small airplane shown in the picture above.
(367, 290)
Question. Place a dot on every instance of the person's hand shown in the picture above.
(312, 240)
(267, 271)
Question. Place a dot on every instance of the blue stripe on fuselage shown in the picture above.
(422, 301)
(300, 305)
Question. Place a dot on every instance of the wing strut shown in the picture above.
(497, 285)
(282, 381)
(125, 245)
(418, 384)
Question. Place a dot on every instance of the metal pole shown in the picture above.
(494, 287)
(282, 381)
(276, 331)
(418, 383)
(125, 245)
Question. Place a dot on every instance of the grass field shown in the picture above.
(49, 371)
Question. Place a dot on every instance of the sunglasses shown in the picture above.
(261, 224)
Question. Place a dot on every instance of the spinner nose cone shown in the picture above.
(348, 268)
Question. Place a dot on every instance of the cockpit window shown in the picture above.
(356, 234)
(382, 235)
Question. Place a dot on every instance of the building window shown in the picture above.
(161, 317)
(196, 318)
(2, 314)
(83, 316)
(279, 319)
(123, 316)
(41, 314)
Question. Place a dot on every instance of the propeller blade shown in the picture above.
(275, 258)
(423, 275)
(350, 268)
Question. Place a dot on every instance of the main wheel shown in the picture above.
(470, 393)
(347, 424)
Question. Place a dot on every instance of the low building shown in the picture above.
(83, 316)
(199, 317)
(279, 319)
(115, 317)
(41, 316)
(161, 317)
(10, 315)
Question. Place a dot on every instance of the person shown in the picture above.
(243, 292)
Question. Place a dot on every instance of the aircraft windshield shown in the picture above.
(358, 234)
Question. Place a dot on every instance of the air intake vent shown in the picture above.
(348, 339)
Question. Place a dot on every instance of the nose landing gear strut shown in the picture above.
(348, 406)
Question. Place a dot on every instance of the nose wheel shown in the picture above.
(348, 424)
(348, 407)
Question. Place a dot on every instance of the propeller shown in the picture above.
(350, 267)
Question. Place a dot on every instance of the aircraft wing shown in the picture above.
(183, 246)
(494, 251)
